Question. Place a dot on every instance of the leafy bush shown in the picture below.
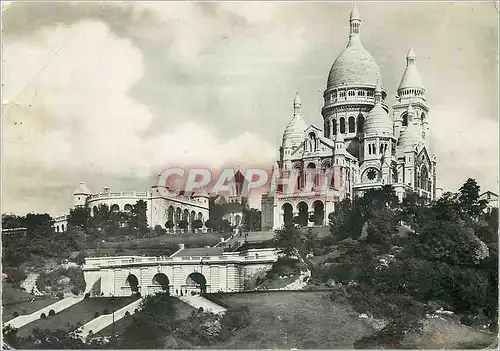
(52, 313)
(15, 276)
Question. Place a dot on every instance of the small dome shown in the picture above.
(82, 190)
(410, 137)
(411, 78)
(378, 121)
(294, 132)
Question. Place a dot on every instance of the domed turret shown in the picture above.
(80, 195)
(378, 121)
(411, 77)
(354, 66)
(294, 131)
(412, 135)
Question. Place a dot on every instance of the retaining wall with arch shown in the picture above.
(126, 275)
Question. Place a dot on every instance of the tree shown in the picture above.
(11, 221)
(289, 239)
(183, 224)
(196, 224)
(39, 225)
(251, 219)
(79, 217)
(139, 219)
(169, 224)
(469, 204)
(382, 227)
(453, 242)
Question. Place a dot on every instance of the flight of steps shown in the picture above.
(199, 301)
(101, 322)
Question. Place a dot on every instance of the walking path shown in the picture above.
(199, 301)
(22, 320)
(101, 322)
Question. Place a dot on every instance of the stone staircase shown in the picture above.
(199, 301)
(22, 320)
(101, 322)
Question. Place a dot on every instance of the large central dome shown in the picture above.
(354, 66)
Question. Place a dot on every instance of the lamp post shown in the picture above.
(113, 337)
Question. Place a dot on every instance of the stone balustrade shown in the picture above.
(254, 256)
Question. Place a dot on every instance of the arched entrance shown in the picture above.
(303, 213)
(196, 282)
(133, 283)
(237, 220)
(160, 280)
(311, 174)
(319, 212)
(287, 213)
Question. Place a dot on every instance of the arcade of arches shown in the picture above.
(304, 213)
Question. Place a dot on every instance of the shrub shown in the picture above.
(75, 290)
(43, 316)
(127, 314)
(16, 314)
(15, 276)
(60, 295)
(52, 313)
(80, 257)
(96, 314)
(106, 311)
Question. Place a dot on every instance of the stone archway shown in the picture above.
(133, 283)
(303, 210)
(237, 220)
(161, 280)
(197, 281)
(319, 212)
(287, 213)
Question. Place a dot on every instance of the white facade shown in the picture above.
(162, 205)
(124, 275)
(363, 145)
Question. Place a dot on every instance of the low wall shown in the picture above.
(101, 322)
(57, 307)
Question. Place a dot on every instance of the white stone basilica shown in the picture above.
(360, 142)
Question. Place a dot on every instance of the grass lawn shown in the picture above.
(16, 300)
(445, 333)
(182, 310)
(82, 312)
(301, 320)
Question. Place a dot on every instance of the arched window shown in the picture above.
(404, 117)
(361, 123)
(352, 125)
(342, 125)
(334, 127)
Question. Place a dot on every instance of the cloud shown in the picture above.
(466, 146)
(77, 114)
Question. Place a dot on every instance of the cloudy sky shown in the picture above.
(109, 93)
